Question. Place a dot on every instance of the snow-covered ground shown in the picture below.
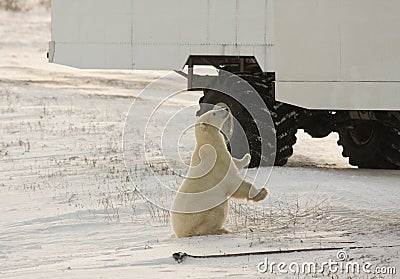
(68, 206)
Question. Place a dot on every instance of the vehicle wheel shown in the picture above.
(283, 116)
(371, 145)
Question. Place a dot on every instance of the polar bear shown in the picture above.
(201, 204)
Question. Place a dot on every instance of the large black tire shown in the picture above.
(371, 145)
(283, 117)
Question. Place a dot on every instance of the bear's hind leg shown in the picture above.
(223, 231)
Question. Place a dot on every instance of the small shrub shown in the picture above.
(45, 3)
(23, 5)
(13, 5)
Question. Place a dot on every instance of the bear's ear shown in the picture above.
(203, 127)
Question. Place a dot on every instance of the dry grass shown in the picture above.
(281, 213)
(13, 5)
(45, 3)
(23, 5)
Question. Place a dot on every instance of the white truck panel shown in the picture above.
(338, 54)
(154, 23)
(341, 95)
(75, 22)
(98, 56)
(338, 40)
(371, 40)
(249, 17)
(153, 34)
(197, 18)
(306, 34)
(222, 22)
(86, 39)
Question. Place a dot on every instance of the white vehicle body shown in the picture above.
(154, 34)
(326, 54)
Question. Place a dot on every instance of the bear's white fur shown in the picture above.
(201, 205)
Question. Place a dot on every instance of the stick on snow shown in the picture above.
(180, 256)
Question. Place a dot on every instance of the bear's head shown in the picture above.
(208, 126)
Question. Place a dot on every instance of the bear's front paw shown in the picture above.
(261, 195)
(246, 159)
